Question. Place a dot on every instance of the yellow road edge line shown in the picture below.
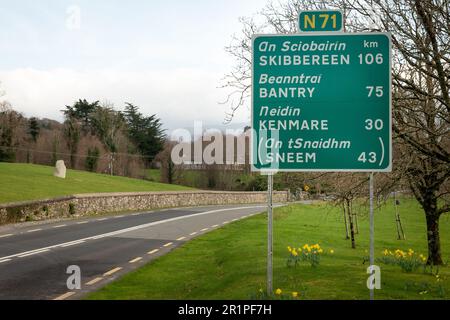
(135, 260)
(110, 272)
(94, 281)
(65, 295)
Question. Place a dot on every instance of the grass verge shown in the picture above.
(20, 182)
(230, 263)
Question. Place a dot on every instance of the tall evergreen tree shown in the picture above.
(145, 132)
(72, 135)
(33, 128)
(82, 110)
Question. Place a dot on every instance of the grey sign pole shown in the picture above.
(269, 234)
(372, 244)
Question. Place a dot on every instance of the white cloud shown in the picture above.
(179, 96)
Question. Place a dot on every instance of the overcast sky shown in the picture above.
(165, 56)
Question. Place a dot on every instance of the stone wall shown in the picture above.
(88, 204)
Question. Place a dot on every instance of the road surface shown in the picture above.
(34, 258)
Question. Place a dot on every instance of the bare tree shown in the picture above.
(107, 124)
(421, 76)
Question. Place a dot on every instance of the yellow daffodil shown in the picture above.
(289, 249)
(331, 251)
(295, 294)
(385, 252)
(278, 291)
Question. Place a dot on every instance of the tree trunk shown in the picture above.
(434, 242)
(345, 222)
(350, 220)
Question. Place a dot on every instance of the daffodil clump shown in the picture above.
(408, 260)
(308, 253)
(277, 294)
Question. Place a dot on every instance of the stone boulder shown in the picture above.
(60, 169)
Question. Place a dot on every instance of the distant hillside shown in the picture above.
(20, 182)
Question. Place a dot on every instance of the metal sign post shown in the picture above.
(269, 234)
(371, 241)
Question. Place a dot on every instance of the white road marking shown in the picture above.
(34, 230)
(102, 219)
(5, 260)
(6, 235)
(72, 243)
(193, 233)
(82, 222)
(234, 220)
(204, 229)
(60, 226)
(94, 281)
(112, 271)
(118, 216)
(65, 295)
(153, 251)
(215, 226)
(135, 260)
(32, 253)
(168, 244)
(225, 222)
(136, 214)
(181, 238)
(142, 226)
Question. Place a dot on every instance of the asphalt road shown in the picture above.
(34, 258)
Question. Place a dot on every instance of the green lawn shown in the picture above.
(230, 263)
(153, 175)
(27, 182)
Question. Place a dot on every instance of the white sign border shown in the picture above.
(312, 34)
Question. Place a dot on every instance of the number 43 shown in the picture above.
(372, 157)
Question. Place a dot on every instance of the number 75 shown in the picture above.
(378, 91)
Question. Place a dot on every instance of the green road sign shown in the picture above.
(321, 102)
(330, 20)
